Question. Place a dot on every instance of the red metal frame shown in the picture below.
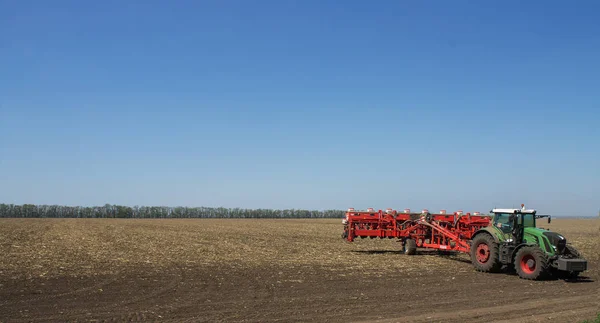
(436, 231)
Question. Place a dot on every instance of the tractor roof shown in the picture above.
(531, 211)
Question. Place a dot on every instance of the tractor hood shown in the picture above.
(551, 241)
(556, 240)
(535, 231)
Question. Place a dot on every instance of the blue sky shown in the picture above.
(301, 104)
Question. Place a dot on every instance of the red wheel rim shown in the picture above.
(483, 253)
(528, 264)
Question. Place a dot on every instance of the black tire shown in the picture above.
(410, 247)
(531, 263)
(484, 254)
(572, 251)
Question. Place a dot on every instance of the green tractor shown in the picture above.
(512, 239)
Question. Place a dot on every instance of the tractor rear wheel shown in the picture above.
(484, 253)
(410, 247)
(531, 263)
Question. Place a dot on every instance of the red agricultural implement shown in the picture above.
(503, 237)
(424, 230)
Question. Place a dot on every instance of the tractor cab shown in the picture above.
(514, 223)
(507, 220)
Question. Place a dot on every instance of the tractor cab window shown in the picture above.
(529, 220)
(503, 221)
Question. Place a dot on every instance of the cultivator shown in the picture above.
(424, 230)
(504, 237)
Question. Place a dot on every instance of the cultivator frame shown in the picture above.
(450, 232)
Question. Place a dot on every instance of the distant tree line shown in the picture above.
(154, 212)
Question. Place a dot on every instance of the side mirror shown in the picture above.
(549, 219)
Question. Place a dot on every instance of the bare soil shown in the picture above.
(249, 270)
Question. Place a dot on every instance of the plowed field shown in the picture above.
(212, 270)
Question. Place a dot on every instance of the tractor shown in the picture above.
(512, 240)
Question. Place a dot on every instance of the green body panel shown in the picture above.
(531, 236)
(536, 236)
(495, 233)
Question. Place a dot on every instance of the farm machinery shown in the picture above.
(503, 238)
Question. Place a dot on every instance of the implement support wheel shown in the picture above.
(410, 247)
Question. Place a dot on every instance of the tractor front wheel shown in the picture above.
(572, 251)
(484, 253)
(531, 263)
